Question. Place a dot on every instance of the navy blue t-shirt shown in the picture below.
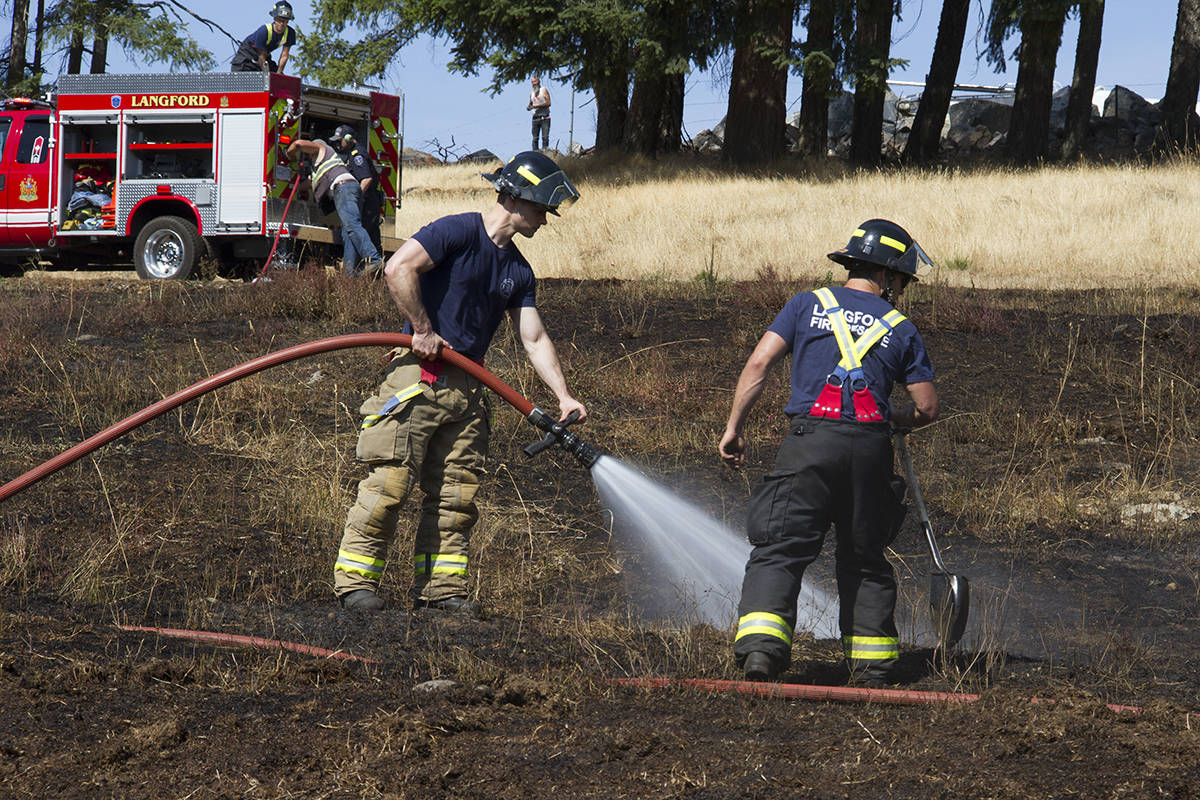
(265, 39)
(473, 282)
(803, 324)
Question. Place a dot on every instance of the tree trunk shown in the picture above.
(37, 37)
(818, 79)
(75, 54)
(16, 51)
(670, 126)
(645, 113)
(1178, 130)
(1083, 85)
(757, 114)
(873, 38)
(612, 105)
(1029, 130)
(99, 53)
(924, 142)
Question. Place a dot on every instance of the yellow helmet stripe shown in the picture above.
(893, 243)
(526, 173)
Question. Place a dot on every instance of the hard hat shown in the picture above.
(282, 10)
(534, 177)
(884, 244)
(341, 133)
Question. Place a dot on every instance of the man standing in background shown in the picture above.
(539, 104)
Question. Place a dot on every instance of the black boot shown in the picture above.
(362, 600)
(760, 667)
(458, 603)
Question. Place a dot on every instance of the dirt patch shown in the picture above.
(1064, 413)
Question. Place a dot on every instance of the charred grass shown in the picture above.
(1067, 452)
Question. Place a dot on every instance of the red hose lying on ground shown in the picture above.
(853, 694)
(105, 436)
(248, 641)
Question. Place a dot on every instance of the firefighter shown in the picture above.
(254, 54)
(331, 180)
(361, 167)
(429, 423)
(848, 345)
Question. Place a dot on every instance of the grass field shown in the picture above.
(1069, 423)
(1057, 228)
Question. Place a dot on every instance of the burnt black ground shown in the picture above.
(1081, 610)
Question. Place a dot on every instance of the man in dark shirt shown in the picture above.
(254, 54)
(454, 281)
(358, 161)
(849, 345)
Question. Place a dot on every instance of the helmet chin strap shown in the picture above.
(889, 293)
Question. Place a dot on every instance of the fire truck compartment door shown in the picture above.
(240, 186)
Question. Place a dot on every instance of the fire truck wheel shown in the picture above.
(166, 248)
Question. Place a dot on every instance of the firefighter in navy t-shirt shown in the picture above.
(848, 346)
(254, 54)
(454, 281)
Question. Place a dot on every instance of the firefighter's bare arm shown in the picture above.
(924, 409)
(540, 350)
(402, 275)
(313, 149)
(770, 348)
(365, 184)
(283, 57)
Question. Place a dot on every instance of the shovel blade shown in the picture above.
(949, 601)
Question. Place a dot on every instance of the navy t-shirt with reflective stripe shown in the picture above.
(266, 39)
(803, 324)
(473, 282)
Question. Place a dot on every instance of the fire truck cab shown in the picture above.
(173, 168)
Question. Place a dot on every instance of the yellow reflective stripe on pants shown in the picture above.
(361, 565)
(766, 624)
(407, 393)
(871, 648)
(440, 564)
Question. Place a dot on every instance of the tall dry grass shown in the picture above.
(1059, 227)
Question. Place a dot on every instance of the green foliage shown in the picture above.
(1006, 17)
(153, 31)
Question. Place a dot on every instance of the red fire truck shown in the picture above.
(175, 168)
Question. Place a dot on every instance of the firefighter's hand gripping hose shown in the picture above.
(555, 432)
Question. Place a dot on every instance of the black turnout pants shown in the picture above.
(827, 472)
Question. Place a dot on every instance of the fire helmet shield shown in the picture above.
(882, 243)
(535, 177)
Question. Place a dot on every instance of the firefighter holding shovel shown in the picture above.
(849, 345)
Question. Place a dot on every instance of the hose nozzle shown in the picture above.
(557, 433)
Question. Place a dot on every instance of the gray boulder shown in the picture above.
(993, 113)
(1125, 105)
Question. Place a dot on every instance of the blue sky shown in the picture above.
(1135, 53)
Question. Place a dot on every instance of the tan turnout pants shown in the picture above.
(437, 436)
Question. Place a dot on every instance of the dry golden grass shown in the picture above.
(1059, 227)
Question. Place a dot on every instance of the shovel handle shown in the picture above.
(911, 476)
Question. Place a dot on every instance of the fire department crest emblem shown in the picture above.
(224, 101)
(115, 100)
(28, 189)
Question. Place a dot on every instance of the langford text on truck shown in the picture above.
(174, 167)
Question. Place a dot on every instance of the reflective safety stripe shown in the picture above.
(527, 174)
(765, 623)
(852, 350)
(871, 648)
(440, 564)
(326, 165)
(889, 241)
(361, 565)
(407, 393)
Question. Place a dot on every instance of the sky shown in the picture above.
(440, 105)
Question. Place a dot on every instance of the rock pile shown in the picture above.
(1123, 124)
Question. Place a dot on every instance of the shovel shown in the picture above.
(949, 595)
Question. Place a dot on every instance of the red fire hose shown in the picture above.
(92, 443)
